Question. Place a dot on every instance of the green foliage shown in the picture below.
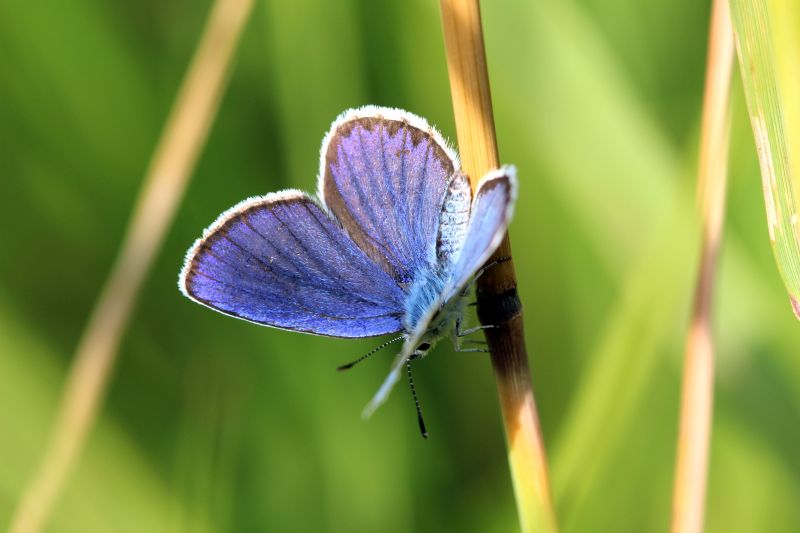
(214, 424)
(768, 42)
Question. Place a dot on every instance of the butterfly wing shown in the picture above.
(492, 209)
(282, 261)
(383, 174)
(491, 212)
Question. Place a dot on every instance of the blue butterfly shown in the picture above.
(392, 243)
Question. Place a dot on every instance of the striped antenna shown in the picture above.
(351, 364)
(422, 429)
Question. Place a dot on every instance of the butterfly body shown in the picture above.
(425, 295)
(391, 243)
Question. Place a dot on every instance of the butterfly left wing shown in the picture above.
(282, 261)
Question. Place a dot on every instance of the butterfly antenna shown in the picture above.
(479, 273)
(489, 266)
(379, 348)
(422, 429)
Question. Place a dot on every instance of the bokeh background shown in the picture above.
(212, 424)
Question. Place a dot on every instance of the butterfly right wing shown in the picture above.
(282, 261)
(384, 174)
(490, 215)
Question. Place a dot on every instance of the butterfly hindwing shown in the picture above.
(384, 173)
(490, 215)
(281, 261)
(453, 221)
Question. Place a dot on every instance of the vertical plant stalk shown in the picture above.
(698, 374)
(498, 303)
(165, 182)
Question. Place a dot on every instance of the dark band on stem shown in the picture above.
(497, 309)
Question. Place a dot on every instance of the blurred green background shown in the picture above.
(213, 424)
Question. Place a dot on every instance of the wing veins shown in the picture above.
(390, 188)
(380, 246)
(314, 257)
(285, 313)
(287, 280)
(323, 274)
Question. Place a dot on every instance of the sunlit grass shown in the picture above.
(597, 103)
(768, 42)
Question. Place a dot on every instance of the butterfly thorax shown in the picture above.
(425, 295)
(444, 320)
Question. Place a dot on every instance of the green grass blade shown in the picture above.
(766, 40)
(134, 498)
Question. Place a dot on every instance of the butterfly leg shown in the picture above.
(470, 331)
(459, 333)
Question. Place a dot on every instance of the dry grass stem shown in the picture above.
(497, 297)
(698, 378)
(165, 182)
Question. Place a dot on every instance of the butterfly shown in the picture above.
(392, 243)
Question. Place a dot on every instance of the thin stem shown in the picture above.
(698, 378)
(498, 303)
(165, 182)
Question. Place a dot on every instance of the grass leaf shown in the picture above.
(767, 43)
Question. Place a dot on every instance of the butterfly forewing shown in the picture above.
(384, 176)
(282, 261)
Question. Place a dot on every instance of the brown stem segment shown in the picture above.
(162, 190)
(498, 303)
(698, 374)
